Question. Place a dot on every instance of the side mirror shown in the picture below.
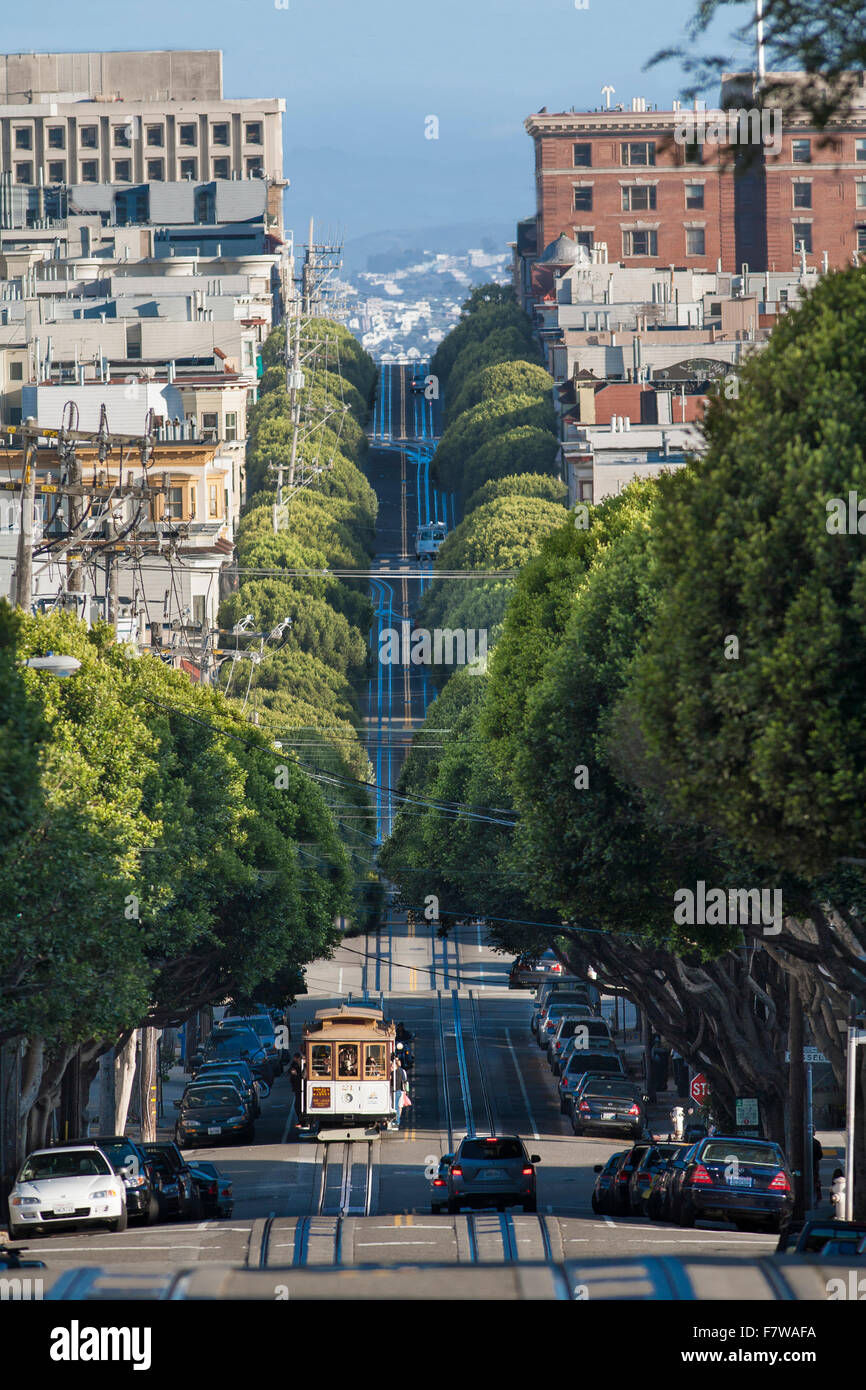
(535, 1158)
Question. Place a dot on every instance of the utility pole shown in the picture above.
(148, 1085)
(24, 562)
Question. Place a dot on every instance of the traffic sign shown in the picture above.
(810, 1055)
(699, 1089)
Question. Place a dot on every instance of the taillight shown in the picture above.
(438, 1182)
(634, 1110)
(457, 1172)
(584, 1105)
(700, 1176)
(780, 1183)
(527, 1172)
(211, 1192)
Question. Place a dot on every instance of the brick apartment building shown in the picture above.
(622, 178)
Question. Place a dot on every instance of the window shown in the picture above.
(89, 171)
(803, 232)
(199, 610)
(213, 499)
(16, 371)
(584, 238)
(347, 1061)
(88, 137)
(57, 171)
(23, 137)
(189, 168)
(639, 199)
(255, 169)
(582, 156)
(187, 134)
(586, 490)
(583, 200)
(231, 431)
(123, 136)
(205, 205)
(154, 136)
(210, 423)
(860, 193)
(56, 137)
(219, 134)
(154, 170)
(801, 151)
(695, 241)
(320, 1059)
(375, 1061)
(693, 153)
(249, 353)
(174, 504)
(802, 195)
(640, 243)
(123, 171)
(639, 152)
(694, 195)
(716, 309)
(860, 151)
(253, 132)
(861, 247)
(221, 169)
(24, 172)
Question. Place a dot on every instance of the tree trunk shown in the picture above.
(124, 1076)
(148, 1084)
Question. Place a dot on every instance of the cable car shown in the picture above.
(349, 1079)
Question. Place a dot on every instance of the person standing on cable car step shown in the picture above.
(296, 1077)
(401, 1088)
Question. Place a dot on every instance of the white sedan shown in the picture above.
(58, 1188)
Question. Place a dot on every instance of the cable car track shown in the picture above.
(333, 1201)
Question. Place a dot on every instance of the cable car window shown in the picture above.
(374, 1061)
(320, 1059)
(347, 1057)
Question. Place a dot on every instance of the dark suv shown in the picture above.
(130, 1162)
(745, 1180)
(490, 1172)
(177, 1192)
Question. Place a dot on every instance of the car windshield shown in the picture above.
(230, 1043)
(727, 1149)
(211, 1095)
(262, 1027)
(581, 1061)
(121, 1156)
(486, 1148)
(610, 1088)
(64, 1163)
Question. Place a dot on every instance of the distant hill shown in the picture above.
(397, 249)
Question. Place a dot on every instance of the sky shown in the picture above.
(360, 79)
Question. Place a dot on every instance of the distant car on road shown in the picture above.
(212, 1110)
(746, 1180)
(428, 539)
(494, 1171)
(642, 1181)
(578, 1025)
(59, 1188)
(606, 1106)
(528, 971)
(582, 1064)
(604, 1177)
(418, 383)
(213, 1188)
(177, 1195)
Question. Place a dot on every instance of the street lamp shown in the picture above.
(54, 664)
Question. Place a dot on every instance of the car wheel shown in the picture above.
(531, 1204)
(686, 1217)
(194, 1211)
(561, 1106)
(120, 1222)
(594, 1203)
(453, 1208)
(153, 1210)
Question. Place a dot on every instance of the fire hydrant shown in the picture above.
(678, 1116)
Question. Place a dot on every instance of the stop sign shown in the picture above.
(699, 1088)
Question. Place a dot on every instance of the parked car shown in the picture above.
(813, 1237)
(553, 1016)
(745, 1180)
(582, 1064)
(528, 971)
(176, 1189)
(237, 1074)
(132, 1164)
(439, 1184)
(213, 1189)
(418, 382)
(263, 1026)
(235, 1045)
(59, 1188)
(492, 1172)
(605, 1106)
(579, 1027)
(604, 1177)
(620, 1187)
(568, 986)
(212, 1110)
(643, 1178)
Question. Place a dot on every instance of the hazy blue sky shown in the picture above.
(360, 78)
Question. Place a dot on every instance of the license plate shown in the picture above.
(489, 1175)
(214, 1129)
(608, 1114)
(63, 1211)
(740, 1182)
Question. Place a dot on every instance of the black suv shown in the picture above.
(130, 1162)
(177, 1191)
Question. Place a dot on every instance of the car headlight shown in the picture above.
(190, 1124)
(140, 1181)
(104, 1192)
(26, 1201)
